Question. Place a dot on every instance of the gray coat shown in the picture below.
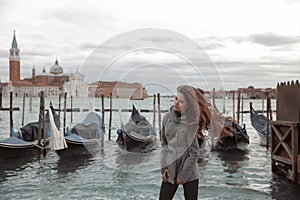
(180, 148)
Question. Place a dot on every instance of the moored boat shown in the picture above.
(137, 135)
(232, 137)
(260, 123)
(84, 139)
(24, 142)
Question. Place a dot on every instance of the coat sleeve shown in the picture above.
(190, 161)
(164, 147)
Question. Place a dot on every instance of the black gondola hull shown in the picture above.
(129, 143)
(77, 148)
(10, 151)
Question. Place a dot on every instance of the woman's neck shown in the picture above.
(178, 113)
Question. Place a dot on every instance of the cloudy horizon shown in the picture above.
(252, 43)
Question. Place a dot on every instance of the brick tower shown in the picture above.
(14, 61)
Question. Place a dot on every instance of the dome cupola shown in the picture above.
(56, 68)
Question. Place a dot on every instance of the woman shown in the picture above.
(189, 115)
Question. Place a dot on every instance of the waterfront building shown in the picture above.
(117, 89)
(58, 82)
(53, 83)
(76, 86)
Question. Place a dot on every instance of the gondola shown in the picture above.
(260, 123)
(137, 135)
(25, 141)
(229, 134)
(84, 139)
(232, 137)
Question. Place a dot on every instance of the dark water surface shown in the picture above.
(115, 174)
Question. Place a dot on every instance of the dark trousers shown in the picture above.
(168, 190)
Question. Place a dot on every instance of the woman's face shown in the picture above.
(180, 103)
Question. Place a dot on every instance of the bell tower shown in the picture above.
(14, 61)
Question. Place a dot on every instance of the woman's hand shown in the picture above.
(165, 175)
(178, 181)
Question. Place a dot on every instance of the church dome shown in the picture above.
(56, 68)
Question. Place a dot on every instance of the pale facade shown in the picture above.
(76, 86)
(33, 91)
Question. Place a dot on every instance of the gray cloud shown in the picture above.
(87, 46)
(210, 43)
(271, 39)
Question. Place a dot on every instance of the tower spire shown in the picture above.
(14, 60)
(14, 43)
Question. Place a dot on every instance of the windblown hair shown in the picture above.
(198, 108)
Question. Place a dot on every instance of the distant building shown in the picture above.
(117, 89)
(252, 93)
(76, 86)
(258, 93)
(53, 83)
(57, 82)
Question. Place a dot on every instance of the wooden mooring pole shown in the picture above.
(242, 112)
(0, 94)
(11, 125)
(23, 110)
(154, 109)
(41, 118)
(110, 116)
(30, 102)
(159, 114)
(233, 106)
(102, 127)
(59, 102)
(269, 119)
(239, 106)
(71, 108)
(65, 111)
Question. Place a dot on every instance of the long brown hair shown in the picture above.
(198, 107)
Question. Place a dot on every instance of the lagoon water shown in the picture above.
(116, 174)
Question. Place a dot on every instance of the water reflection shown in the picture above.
(9, 167)
(283, 189)
(70, 164)
(233, 160)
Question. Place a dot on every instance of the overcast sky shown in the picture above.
(218, 43)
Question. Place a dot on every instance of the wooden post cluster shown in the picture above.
(110, 110)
